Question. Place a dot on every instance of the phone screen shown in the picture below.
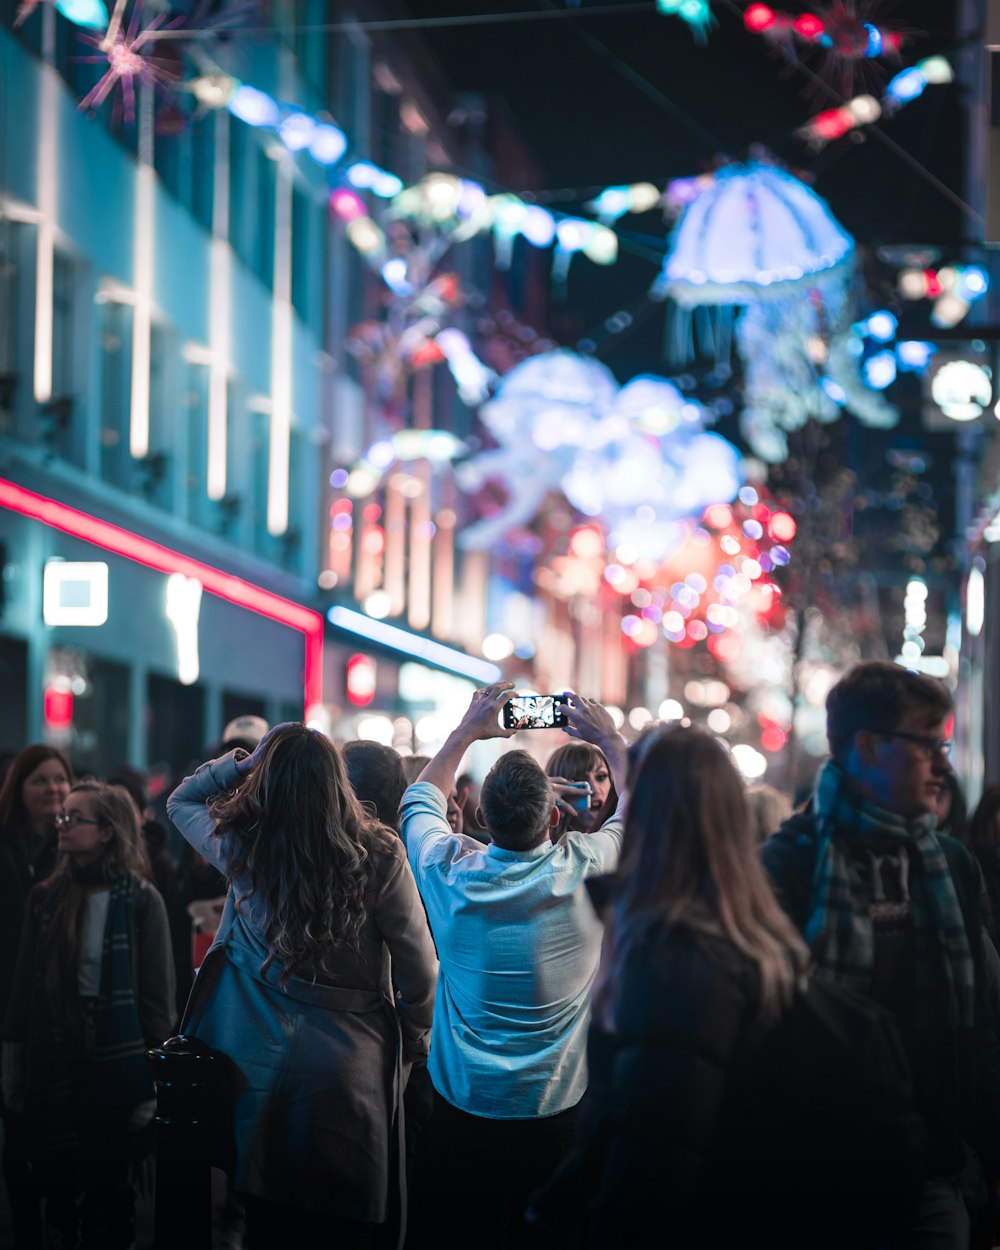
(534, 711)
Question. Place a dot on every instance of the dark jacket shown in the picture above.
(959, 1093)
(674, 1131)
(152, 966)
(17, 876)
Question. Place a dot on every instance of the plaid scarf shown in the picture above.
(841, 898)
(118, 1070)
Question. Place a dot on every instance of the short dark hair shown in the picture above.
(377, 777)
(516, 801)
(876, 695)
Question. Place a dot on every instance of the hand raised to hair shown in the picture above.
(244, 765)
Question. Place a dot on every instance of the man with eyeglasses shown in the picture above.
(892, 909)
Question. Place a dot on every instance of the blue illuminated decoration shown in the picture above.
(913, 355)
(882, 326)
(89, 13)
(697, 14)
(906, 86)
(876, 42)
(880, 370)
(426, 649)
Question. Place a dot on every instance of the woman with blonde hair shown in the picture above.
(699, 963)
(93, 990)
(319, 988)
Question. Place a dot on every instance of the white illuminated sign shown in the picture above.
(183, 609)
(75, 593)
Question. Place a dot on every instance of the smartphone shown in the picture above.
(577, 794)
(534, 711)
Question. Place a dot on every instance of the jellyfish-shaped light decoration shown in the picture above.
(756, 237)
(637, 457)
(542, 412)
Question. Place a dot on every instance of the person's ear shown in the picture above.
(479, 817)
(866, 746)
(554, 816)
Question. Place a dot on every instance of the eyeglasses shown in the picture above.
(930, 747)
(74, 818)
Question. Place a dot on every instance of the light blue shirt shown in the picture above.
(519, 944)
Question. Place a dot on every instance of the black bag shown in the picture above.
(845, 1134)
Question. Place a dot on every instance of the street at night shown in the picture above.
(498, 511)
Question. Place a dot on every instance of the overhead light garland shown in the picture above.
(844, 32)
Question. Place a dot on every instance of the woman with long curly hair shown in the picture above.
(93, 990)
(699, 962)
(319, 988)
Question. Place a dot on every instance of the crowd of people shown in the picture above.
(536, 1009)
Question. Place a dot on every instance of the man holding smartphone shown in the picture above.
(518, 943)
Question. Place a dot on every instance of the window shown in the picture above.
(12, 243)
(259, 425)
(63, 344)
(171, 160)
(100, 712)
(175, 716)
(251, 202)
(202, 138)
(154, 471)
(310, 46)
(262, 256)
(304, 261)
(58, 422)
(116, 387)
(194, 417)
(14, 683)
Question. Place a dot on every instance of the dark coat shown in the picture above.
(17, 876)
(972, 1086)
(674, 1130)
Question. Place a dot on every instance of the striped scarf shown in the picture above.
(118, 1070)
(841, 898)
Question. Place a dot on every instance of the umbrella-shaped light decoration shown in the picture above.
(638, 457)
(758, 238)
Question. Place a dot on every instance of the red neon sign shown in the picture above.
(143, 551)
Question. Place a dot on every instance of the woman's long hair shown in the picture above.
(124, 852)
(299, 835)
(690, 856)
(13, 816)
(983, 827)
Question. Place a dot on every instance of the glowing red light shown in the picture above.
(758, 18)
(932, 284)
(428, 353)
(361, 680)
(832, 124)
(719, 516)
(782, 527)
(772, 738)
(124, 543)
(57, 707)
(808, 26)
